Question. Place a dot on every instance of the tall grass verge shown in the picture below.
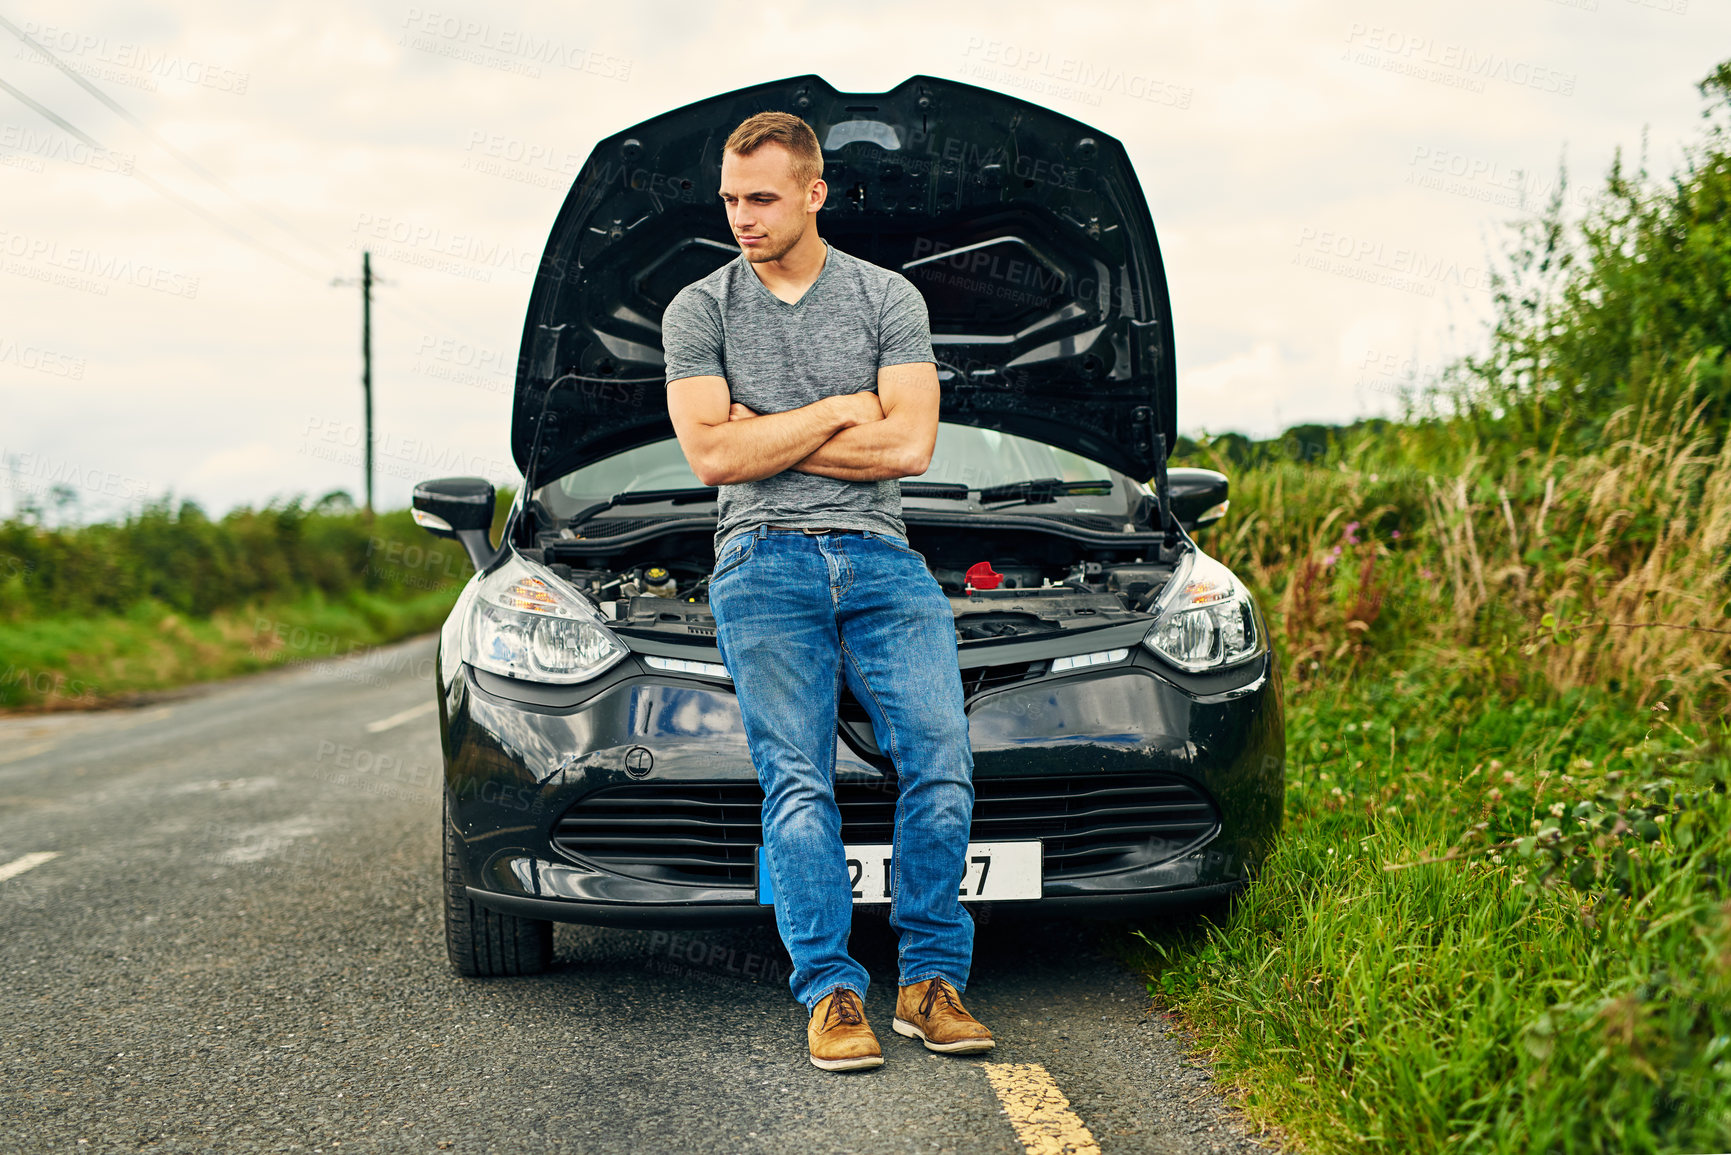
(101, 613)
(1498, 918)
(1542, 573)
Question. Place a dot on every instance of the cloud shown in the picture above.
(1246, 127)
(1242, 392)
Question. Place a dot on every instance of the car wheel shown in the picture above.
(483, 943)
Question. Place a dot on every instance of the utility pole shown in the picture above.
(367, 363)
(366, 282)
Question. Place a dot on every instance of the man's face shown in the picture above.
(768, 210)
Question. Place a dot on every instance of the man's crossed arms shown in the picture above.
(862, 436)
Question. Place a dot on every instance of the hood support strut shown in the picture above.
(1163, 495)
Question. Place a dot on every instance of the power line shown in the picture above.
(191, 163)
(122, 111)
(191, 206)
(246, 238)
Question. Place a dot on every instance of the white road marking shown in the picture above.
(20, 865)
(22, 752)
(144, 716)
(26, 737)
(396, 720)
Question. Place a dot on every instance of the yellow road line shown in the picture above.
(1039, 1111)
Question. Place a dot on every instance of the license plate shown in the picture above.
(995, 870)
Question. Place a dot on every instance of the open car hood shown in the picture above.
(1025, 230)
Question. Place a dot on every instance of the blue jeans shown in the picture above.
(796, 614)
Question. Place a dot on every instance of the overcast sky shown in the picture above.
(1329, 182)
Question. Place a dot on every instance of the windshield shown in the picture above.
(964, 455)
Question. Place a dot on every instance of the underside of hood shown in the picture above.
(1025, 230)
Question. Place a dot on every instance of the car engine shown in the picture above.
(1039, 583)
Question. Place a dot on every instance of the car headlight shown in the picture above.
(526, 623)
(1204, 620)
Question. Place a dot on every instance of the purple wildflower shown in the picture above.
(1352, 533)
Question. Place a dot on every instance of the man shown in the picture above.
(802, 382)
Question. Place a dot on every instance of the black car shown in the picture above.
(1127, 727)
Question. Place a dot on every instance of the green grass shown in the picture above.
(1498, 918)
(67, 662)
(97, 614)
(1461, 1005)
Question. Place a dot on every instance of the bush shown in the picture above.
(178, 557)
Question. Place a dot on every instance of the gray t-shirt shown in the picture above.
(854, 319)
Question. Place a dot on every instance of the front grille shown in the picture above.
(979, 679)
(856, 723)
(708, 834)
(975, 680)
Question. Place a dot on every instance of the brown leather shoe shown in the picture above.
(932, 1011)
(839, 1037)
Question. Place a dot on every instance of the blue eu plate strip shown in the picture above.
(765, 891)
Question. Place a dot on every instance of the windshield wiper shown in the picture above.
(643, 497)
(1040, 490)
(954, 491)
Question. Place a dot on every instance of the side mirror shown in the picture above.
(460, 508)
(1198, 496)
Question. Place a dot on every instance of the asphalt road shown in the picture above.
(220, 929)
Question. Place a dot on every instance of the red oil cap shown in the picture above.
(982, 577)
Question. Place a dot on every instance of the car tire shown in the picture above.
(483, 943)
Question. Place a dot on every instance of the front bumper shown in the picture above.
(632, 801)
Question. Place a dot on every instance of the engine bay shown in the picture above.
(1041, 582)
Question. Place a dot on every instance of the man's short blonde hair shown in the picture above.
(787, 130)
